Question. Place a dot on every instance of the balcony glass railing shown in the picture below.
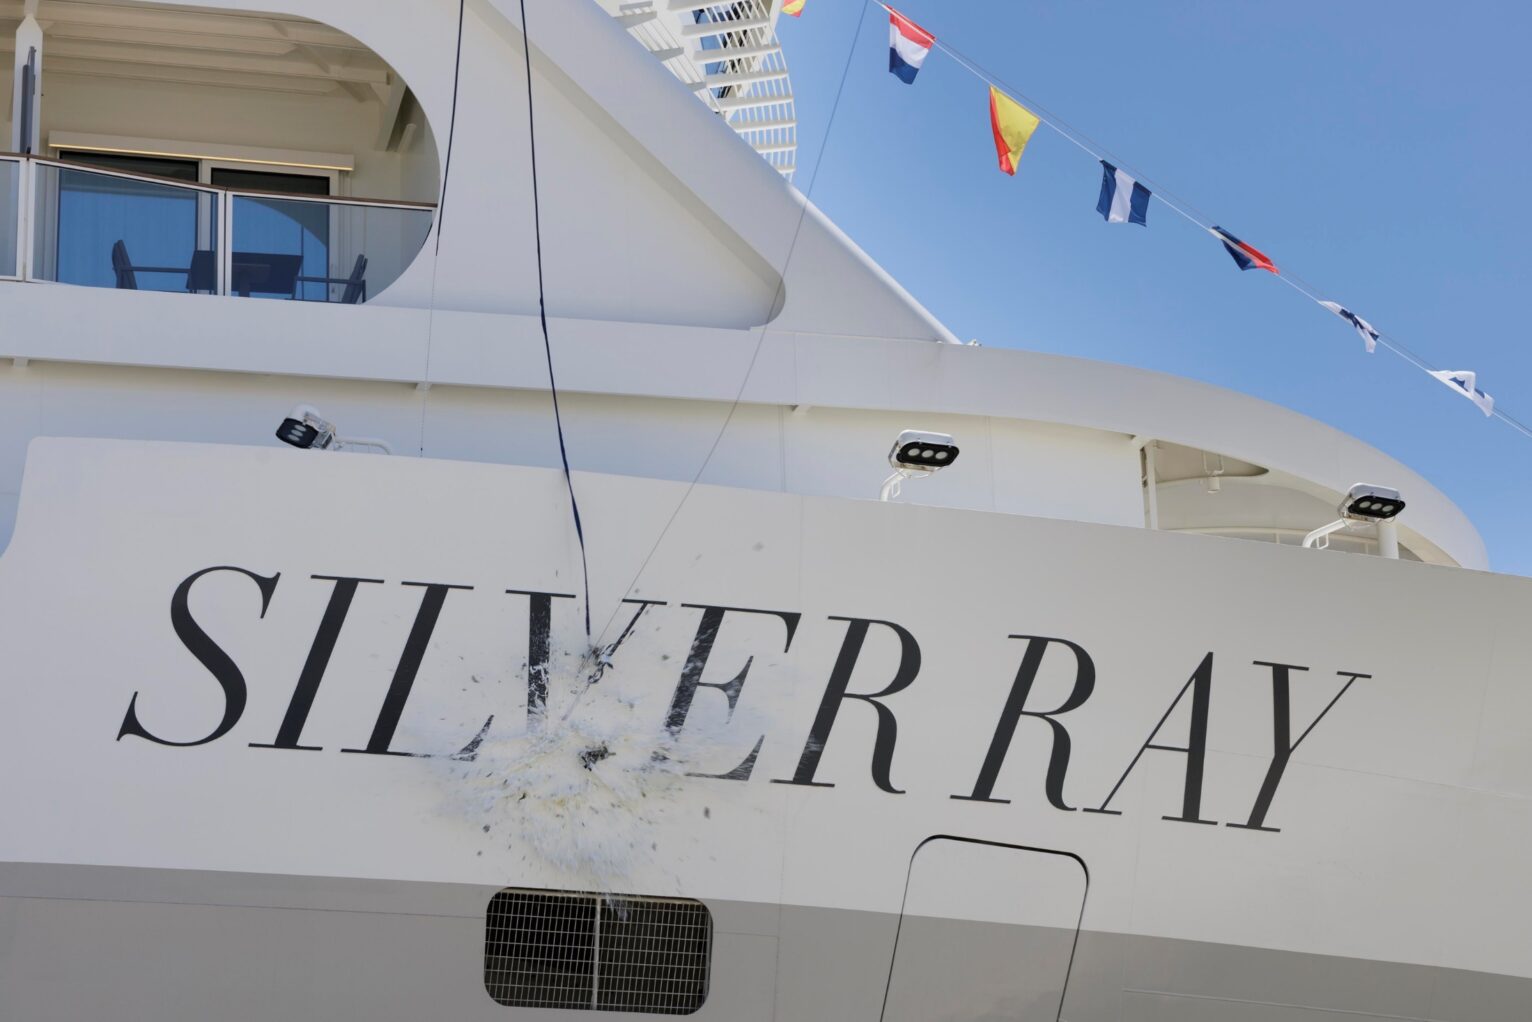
(112, 230)
(10, 216)
(101, 228)
(325, 250)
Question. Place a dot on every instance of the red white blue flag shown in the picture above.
(908, 47)
(1248, 257)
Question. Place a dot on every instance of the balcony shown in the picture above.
(208, 152)
(93, 227)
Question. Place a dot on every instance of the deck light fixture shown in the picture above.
(1364, 504)
(305, 429)
(914, 454)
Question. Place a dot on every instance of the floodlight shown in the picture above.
(305, 429)
(1364, 504)
(917, 453)
(922, 452)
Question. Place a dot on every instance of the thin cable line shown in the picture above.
(441, 206)
(760, 339)
(457, 73)
(542, 316)
(1170, 200)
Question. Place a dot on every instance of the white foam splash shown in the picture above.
(588, 786)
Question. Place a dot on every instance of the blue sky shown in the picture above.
(1374, 148)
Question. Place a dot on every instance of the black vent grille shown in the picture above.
(540, 949)
(556, 949)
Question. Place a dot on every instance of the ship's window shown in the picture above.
(268, 181)
(572, 950)
(158, 166)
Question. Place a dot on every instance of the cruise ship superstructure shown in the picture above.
(1075, 729)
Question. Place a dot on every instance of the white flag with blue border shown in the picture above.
(1368, 332)
(1123, 200)
(1466, 382)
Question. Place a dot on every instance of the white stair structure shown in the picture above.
(729, 54)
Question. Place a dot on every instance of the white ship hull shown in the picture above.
(282, 734)
(1374, 871)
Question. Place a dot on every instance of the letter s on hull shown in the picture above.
(209, 654)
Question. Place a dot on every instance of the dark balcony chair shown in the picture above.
(203, 276)
(127, 273)
(356, 284)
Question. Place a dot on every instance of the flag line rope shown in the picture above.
(1169, 199)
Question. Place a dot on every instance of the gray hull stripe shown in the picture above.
(94, 942)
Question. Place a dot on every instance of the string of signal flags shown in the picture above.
(1125, 198)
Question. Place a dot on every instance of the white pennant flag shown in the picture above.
(1368, 332)
(1465, 382)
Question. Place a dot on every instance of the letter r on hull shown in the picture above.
(835, 694)
(1015, 709)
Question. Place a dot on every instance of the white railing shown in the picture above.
(727, 51)
(658, 37)
(1352, 543)
(106, 228)
(758, 99)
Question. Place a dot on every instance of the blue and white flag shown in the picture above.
(1465, 382)
(1368, 332)
(1123, 200)
(908, 47)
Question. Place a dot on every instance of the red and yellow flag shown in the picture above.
(794, 7)
(1013, 125)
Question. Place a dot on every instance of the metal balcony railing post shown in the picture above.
(25, 242)
(225, 242)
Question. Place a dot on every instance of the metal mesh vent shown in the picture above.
(539, 949)
(554, 949)
(654, 955)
